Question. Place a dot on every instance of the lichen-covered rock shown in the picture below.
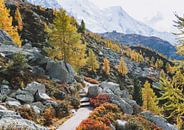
(4, 37)
(93, 91)
(159, 121)
(12, 120)
(34, 87)
(24, 96)
(60, 71)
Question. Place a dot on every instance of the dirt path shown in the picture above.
(74, 121)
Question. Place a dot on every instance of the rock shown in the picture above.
(5, 82)
(24, 96)
(42, 96)
(122, 93)
(13, 103)
(13, 119)
(5, 90)
(38, 70)
(61, 71)
(60, 95)
(109, 85)
(3, 107)
(159, 121)
(121, 125)
(34, 87)
(4, 37)
(93, 91)
(38, 107)
(135, 106)
(50, 103)
(126, 108)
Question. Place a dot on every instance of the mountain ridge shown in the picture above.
(105, 20)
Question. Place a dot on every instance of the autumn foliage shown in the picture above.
(122, 68)
(6, 24)
(106, 66)
(99, 100)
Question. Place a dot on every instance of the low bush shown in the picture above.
(99, 100)
(90, 80)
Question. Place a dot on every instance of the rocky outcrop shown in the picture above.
(94, 90)
(159, 121)
(5, 38)
(60, 71)
(12, 120)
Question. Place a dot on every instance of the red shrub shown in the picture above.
(99, 100)
(90, 80)
(90, 124)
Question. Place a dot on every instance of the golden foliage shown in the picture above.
(92, 61)
(106, 66)
(18, 18)
(122, 67)
(6, 24)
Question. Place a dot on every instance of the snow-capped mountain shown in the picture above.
(104, 20)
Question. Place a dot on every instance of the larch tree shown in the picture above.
(65, 42)
(92, 61)
(18, 19)
(106, 66)
(122, 67)
(173, 98)
(6, 24)
(150, 101)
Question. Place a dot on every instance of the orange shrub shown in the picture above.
(90, 124)
(90, 80)
(99, 100)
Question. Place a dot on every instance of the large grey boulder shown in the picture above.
(93, 91)
(5, 38)
(159, 121)
(24, 96)
(60, 71)
(11, 119)
(42, 96)
(4, 89)
(35, 87)
(126, 108)
(121, 125)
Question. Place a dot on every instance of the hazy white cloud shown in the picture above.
(158, 13)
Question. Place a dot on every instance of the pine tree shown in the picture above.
(150, 101)
(92, 61)
(6, 24)
(82, 28)
(65, 41)
(18, 19)
(106, 66)
(137, 92)
(122, 68)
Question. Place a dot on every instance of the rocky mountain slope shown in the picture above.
(112, 18)
(154, 43)
(35, 89)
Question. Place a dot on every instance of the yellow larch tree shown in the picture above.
(92, 61)
(106, 66)
(18, 19)
(122, 67)
(150, 101)
(6, 24)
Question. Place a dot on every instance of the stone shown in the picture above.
(93, 91)
(38, 70)
(24, 96)
(38, 107)
(159, 121)
(121, 125)
(61, 71)
(13, 103)
(135, 106)
(42, 96)
(5, 90)
(3, 107)
(34, 87)
(126, 108)
(60, 95)
(5, 38)
(13, 119)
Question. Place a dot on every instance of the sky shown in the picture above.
(159, 14)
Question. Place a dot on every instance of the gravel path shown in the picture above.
(74, 121)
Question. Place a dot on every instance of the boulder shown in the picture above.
(15, 121)
(121, 125)
(126, 108)
(4, 37)
(3, 107)
(5, 90)
(24, 96)
(60, 95)
(38, 70)
(38, 107)
(14, 103)
(159, 121)
(135, 106)
(34, 87)
(42, 96)
(93, 91)
(61, 71)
